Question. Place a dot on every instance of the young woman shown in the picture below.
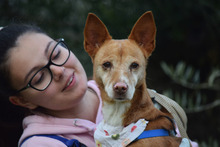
(44, 76)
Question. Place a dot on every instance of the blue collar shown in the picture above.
(153, 133)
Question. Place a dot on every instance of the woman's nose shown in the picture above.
(57, 71)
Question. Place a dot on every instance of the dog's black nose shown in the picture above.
(120, 88)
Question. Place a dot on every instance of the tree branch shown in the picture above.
(203, 107)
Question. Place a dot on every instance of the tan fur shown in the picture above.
(117, 81)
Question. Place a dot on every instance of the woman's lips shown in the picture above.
(70, 82)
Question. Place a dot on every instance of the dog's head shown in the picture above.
(119, 65)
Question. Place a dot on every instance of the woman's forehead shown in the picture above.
(32, 38)
(30, 45)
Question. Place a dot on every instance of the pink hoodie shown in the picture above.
(80, 129)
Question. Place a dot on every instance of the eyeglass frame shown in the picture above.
(61, 40)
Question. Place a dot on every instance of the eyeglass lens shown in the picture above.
(43, 77)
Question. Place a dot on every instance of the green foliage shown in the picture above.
(210, 143)
(191, 97)
(193, 94)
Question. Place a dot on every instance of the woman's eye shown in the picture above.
(107, 65)
(38, 79)
(134, 65)
(56, 55)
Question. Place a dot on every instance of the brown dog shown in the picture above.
(120, 70)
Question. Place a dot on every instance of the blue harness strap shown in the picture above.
(68, 143)
(153, 133)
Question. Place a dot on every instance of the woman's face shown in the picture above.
(69, 81)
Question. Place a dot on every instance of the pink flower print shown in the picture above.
(133, 128)
(126, 142)
(106, 133)
(98, 144)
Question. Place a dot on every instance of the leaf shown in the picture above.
(180, 67)
(196, 77)
(167, 69)
(184, 99)
(188, 73)
(198, 99)
(213, 76)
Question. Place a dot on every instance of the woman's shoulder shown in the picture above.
(93, 85)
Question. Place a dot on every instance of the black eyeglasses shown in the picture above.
(43, 77)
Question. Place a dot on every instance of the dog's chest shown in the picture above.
(113, 113)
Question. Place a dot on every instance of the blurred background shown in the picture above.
(185, 65)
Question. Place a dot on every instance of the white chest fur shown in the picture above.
(113, 113)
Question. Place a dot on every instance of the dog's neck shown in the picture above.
(141, 107)
(113, 113)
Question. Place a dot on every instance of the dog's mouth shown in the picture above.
(121, 96)
(121, 99)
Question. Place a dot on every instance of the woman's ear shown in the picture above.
(20, 101)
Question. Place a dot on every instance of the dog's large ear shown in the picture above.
(144, 33)
(95, 34)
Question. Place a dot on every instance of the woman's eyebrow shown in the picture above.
(47, 47)
(37, 67)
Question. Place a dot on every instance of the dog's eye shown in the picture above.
(133, 65)
(107, 65)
